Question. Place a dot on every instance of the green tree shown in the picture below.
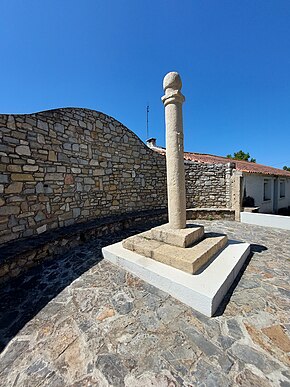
(286, 168)
(240, 155)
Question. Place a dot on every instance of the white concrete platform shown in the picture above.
(266, 220)
(203, 292)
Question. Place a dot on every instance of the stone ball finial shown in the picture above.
(172, 80)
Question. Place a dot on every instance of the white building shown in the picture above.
(269, 187)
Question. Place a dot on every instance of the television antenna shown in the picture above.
(147, 122)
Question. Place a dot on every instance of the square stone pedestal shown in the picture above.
(184, 237)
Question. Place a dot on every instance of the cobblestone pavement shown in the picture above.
(80, 321)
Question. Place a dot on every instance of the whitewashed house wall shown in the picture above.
(254, 187)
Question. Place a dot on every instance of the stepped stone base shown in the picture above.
(189, 259)
(159, 256)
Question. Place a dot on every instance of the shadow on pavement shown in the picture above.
(23, 297)
(254, 249)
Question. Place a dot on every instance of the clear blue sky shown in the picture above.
(111, 56)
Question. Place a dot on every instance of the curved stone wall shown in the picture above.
(69, 165)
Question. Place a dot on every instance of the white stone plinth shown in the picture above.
(203, 292)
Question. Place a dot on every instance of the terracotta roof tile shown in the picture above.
(243, 166)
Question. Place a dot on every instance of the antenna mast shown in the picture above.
(147, 122)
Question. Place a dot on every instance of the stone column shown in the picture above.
(172, 101)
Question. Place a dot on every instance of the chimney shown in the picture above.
(151, 142)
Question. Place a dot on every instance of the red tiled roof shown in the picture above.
(244, 166)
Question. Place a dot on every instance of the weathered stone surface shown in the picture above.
(21, 177)
(278, 336)
(252, 356)
(14, 168)
(3, 178)
(141, 245)
(182, 237)
(41, 229)
(208, 375)
(76, 170)
(23, 150)
(54, 176)
(106, 313)
(9, 210)
(59, 127)
(42, 125)
(76, 212)
(248, 379)
(13, 188)
(122, 302)
(52, 156)
(173, 100)
(189, 259)
(40, 216)
(112, 368)
(68, 179)
(30, 168)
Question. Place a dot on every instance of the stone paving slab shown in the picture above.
(81, 321)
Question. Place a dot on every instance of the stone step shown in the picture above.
(189, 259)
(183, 238)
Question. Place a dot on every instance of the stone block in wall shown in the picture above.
(14, 188)
(54, 177)
(52, 155)
(9, 210)
(23, 150)
(22, 177)
(69, 179)
(4, 179)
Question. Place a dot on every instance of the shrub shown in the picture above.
(248, 201)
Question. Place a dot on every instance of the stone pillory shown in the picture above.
(172, 101)
(166, 255)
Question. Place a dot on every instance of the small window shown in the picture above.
(282, 188)
(267, 189)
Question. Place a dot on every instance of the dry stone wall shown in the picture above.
(66, 166)
(69, 165)
(206, 185)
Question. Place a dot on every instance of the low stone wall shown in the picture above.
(210, 213)
(206, 185)
(69, 165)
(17, 257)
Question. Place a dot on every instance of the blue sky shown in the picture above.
(111, 56)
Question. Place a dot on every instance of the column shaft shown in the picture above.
(173, 100)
